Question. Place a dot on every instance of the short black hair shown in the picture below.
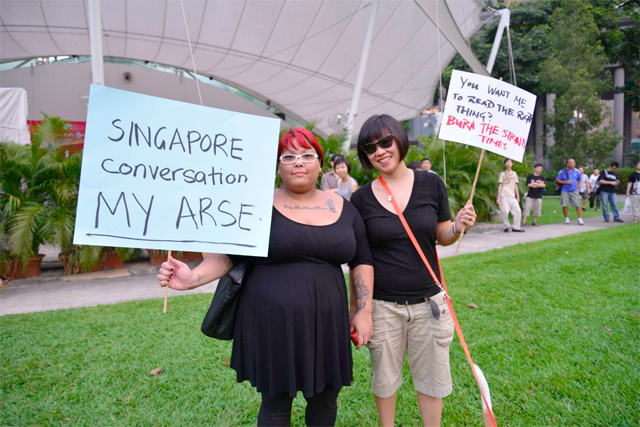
(413, 164)
(538, 164)
(340, 160)
(333, 157)
(425, 159)
(506, 160)
(615, 164)
(376, 127)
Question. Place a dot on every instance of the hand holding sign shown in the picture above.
(175, 274)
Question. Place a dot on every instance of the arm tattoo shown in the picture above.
(199, 279)
(362, 292)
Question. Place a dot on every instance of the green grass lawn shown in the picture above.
(552, 212)
(556, 331)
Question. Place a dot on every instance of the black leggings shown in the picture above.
(321, 409)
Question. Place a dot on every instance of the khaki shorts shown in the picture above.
(569, 197)
(411, 329)
(536, 204)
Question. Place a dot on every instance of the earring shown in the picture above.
(320, 177)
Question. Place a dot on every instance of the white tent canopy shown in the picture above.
(301, 55)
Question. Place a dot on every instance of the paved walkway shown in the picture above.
(137, 281)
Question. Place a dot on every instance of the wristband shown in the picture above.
(454, 229)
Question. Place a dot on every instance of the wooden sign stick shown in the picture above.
(166, 288)
(473, 192)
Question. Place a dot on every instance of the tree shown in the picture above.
(575, 72)
(619, 24)
(529, 30)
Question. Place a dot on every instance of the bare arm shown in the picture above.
(354, 186)
(499, 194)
(628, 189)
(361, 290)
(465, 219)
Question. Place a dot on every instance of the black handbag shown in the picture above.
(221, 318)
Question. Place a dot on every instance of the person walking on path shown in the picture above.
(633, 191)
(609, 180)
(594, 186)
(509, 197)
(569, 177)
(535, 188)
(584, 188)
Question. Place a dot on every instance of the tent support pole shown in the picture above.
(505, 15)
(95, 34)
(355, 100)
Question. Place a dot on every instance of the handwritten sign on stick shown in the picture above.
(162, 174)
(487, 113)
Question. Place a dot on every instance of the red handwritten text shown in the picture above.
(519, 141)
(462, 124)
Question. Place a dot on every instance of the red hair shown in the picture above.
(304, 138)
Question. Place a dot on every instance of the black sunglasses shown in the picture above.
(384, 143)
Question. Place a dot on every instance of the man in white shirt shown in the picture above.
(584, 187)
(509, 198)
(593, 188)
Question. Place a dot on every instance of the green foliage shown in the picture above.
(40, 182)
(619, 25)
(529, 28)
(595, 32)
(556, 337)
(575, 72)
(461, 164)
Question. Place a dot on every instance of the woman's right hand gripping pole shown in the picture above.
(175, 274)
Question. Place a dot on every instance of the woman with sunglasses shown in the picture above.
(409, 311)
(292, 330)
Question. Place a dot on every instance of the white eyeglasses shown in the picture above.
(289, 159)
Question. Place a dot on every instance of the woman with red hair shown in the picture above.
(293, 320)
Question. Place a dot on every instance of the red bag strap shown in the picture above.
(442, 287)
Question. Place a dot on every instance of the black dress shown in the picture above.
(292, 325)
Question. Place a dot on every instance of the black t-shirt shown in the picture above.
(400, 273)
(607, 175)
(535, 193)
(634, 179)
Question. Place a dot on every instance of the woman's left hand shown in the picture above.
(466, 218)
(363, 325)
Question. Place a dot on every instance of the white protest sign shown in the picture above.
(487, 113)
(163, 174)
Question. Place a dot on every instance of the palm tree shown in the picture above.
(41, 187)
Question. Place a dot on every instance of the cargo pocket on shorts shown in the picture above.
(443, 328)
(379, 325)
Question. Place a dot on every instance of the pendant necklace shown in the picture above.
(389, 198)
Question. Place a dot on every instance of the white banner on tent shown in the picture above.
(487, 113)
(163, 174)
